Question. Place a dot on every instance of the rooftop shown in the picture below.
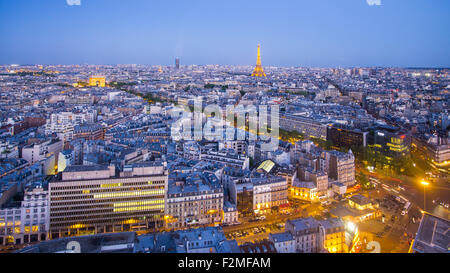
(360, 199)
(281, 237)
(433, 235)
(103, 243)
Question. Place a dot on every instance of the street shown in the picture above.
(248, 231)
(414, 192)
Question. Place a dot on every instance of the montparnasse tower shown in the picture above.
(259, 71)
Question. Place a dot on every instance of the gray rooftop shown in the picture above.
(433, 235)
(85, 168)
(103, 243)
(281, 237)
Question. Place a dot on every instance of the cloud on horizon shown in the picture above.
(73, 2)
(374, 2)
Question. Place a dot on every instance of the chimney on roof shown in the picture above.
(112, 170)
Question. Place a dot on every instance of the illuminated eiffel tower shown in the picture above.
(258, 72)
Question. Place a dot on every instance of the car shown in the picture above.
(443, 204)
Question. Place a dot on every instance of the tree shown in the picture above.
(363, 181)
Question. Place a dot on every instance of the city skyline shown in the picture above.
(224, 127)
(297, 33)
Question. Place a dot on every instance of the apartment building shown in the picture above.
(269, 192)
(306, 234)
(194, 199)
(284, 242)
(27, 221)
(341, 167)
(228, 157)
(39, 151)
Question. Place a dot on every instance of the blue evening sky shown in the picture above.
(319, 33)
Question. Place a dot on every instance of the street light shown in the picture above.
(425, 184)
(351, 226)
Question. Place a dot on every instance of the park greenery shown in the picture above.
(149, 97)
(211, 86)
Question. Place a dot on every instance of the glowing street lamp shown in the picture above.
(424, 184)
(351, 226)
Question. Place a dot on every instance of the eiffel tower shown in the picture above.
(258, 72)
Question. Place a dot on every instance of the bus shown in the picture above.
(406, 208)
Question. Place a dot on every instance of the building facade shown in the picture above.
(269, 192)
(27, 223)
(97, 199)
(343, 137)
(196, 200)
(341, 167)
(308, 127)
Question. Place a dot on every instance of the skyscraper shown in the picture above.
(177, 63)
(258, 72)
